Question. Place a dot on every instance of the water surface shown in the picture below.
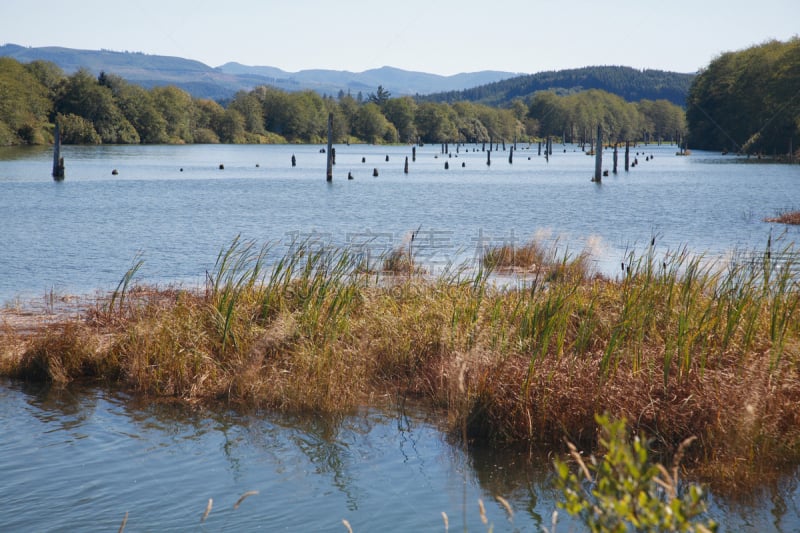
(78, 459)
(175, 208)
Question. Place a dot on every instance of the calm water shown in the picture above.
(78, 460)
(84, 233)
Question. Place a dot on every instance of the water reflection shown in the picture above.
(87, 456)
(521, 476)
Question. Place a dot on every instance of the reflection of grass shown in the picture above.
(785, 217)
(678, 346)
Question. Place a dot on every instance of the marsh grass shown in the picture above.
(785, 217)
(679, 344)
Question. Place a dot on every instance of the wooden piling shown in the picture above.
(329, 175)
(58, 161)
(627, 155)
(405, 167)
(615, 158)
(598, 155)
(413, 153)
(489, 157)
(511, 156)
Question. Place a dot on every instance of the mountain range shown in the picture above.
(220, 83)
(488, 86)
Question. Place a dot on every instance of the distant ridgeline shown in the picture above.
(749, 101)
(223, 82)
(629, 83)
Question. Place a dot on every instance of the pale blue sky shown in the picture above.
(436, 36)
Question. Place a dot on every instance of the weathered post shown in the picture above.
(489, 157)
(540, 147)
(330, 145)
(598, 156)
(405, 168)
(294, 161)
(627, 155)
(413, 153)
(511, 156)
(615, 158)
(58, 161)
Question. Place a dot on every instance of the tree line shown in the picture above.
(629, 83)
(748, 101)
(107, 109)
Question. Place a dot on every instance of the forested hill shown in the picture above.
(629, 83)
(223, 82)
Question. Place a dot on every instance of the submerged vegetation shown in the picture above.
(679, 346)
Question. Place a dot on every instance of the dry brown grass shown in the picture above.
(788, 217)
(677, 349)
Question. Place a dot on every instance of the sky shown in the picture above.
(435, 36)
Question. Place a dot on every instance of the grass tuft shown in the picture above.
(679, 344)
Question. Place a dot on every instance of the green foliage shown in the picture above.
(380, 97)
(24, 105)
(436, 123)
(77, 130)
(624, 491)
(108, 109)
(249, 107)
(576, 116)
(372, 126)
(748, 101)
(177, 108)
(629, 83)
(84, 96)
(401, 112)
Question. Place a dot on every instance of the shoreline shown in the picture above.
(680, 348)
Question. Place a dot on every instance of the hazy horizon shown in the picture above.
(443, 38)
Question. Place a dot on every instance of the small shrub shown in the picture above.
(624, 491)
